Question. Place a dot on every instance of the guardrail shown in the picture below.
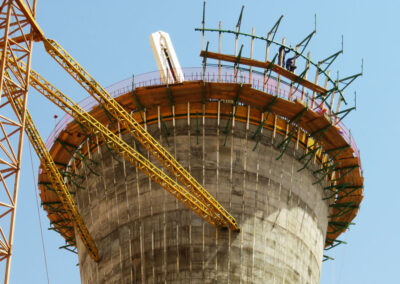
(212, 74)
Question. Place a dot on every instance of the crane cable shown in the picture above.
(36, 192)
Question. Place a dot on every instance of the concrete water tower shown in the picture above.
(265, 141)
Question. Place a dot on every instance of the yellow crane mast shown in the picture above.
(53, 173)
(16, 41)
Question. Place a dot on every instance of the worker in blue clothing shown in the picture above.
(282, 53)
(290, 65)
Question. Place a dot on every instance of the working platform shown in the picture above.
(234, 95)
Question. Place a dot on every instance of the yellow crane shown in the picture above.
(153, 146)
(52, 172)
(20, 30)
(108, 137)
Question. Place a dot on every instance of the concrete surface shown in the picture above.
(144, 235)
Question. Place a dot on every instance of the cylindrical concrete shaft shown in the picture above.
(145, 235)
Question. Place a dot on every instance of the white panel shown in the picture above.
(166, 59)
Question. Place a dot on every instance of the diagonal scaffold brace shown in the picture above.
(232, 115)
(70, 248)
(338, 150)
(353, 189)
(345, 112)
(327, 169)
(285, 143)
(326, 258)
(204, 73)
(304, 43)
(336, 188)
(329, 60)
(300, 78)
(343, 208)
(257, 134)
(274, 30)
(311, 152)
(333, 243)
(139, 106)
(238, 25)
(236, 64)
(164, 129)
(74, 152)
(347, 170)
(338, 226)
(268, 71)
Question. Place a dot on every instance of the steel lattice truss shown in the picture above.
(16, 43)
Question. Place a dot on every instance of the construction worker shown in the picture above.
(282, 53)
(290, 64)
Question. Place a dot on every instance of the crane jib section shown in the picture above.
(139, 133)
(121, 147)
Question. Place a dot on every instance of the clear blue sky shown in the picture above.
(112, 42)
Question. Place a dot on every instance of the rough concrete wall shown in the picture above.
(145, 235)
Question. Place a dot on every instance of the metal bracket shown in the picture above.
(327, 258)
(354, 188)
(226, 131)
(306, 41)
(138, 103)
(310, 154)
(339, 150)
(266, 109)
(348, 80)
(300, 78)
(325, 172)
(239, 22)
(236, 65)
(165, 129)
(348, 169)
(333, 243)
(350, 206)
(339, 226)
(346, 112)
(328, 61)
(285, 143)
(110, 118)
(84, 159)
(269, 68)
(274, 29)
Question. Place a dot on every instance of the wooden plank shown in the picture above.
(265, 64)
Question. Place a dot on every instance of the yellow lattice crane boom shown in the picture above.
(120, 146)
(153, 146)
(53, 173)
(114, 108)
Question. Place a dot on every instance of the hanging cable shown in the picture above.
(36, 192)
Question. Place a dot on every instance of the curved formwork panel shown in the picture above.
(145, 235)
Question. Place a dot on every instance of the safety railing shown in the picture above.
(214, 74)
